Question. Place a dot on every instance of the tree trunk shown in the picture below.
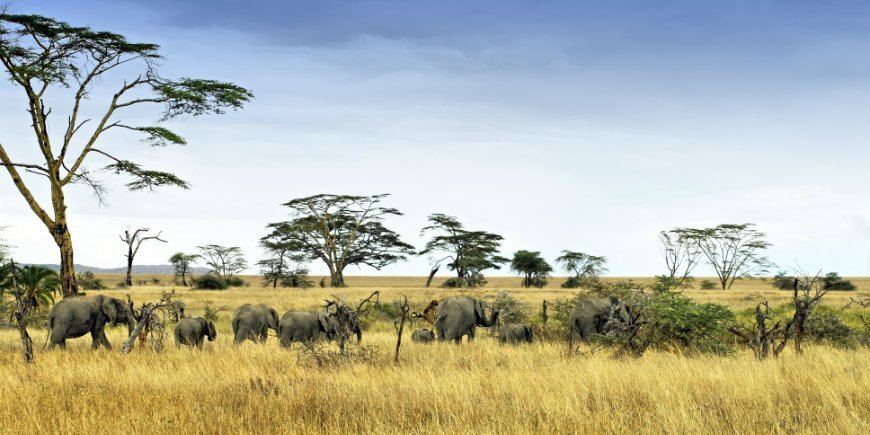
(26, 342)
(184, 277)
(68, 282)
(432, 275)
(336, 279)
(129, 280)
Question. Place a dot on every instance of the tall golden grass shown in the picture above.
(481, 387)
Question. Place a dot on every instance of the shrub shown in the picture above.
(298, 278)
(833, 282)
(510, 309)
(234, 281)
(581, 282)
(211, 282)
(88, 281)
(212, 313)
(825, 325)
(476, 280)
(708, 285)
(783, 282)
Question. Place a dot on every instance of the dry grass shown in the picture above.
(440, 388)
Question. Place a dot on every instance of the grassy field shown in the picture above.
(441, 388)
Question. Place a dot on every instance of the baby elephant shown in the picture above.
(192, 331)
(515, 333)
(423, 336)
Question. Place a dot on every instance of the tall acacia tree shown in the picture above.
(341, 230)
(39, 55)
(532, 267)
(734, 251)
(468, 252)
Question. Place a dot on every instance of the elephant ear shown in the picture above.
(323, 319)
(109, 309)
(212, 333)
(273, 319)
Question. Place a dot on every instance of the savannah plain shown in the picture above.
(482, 387)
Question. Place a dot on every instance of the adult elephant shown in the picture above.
(253, 322)
(461, 315)
(76, 316)
(597, 316)
(515, 333)
(305, 326)
(193, 331)
(423, 336)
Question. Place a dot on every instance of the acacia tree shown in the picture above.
(681, 256)
(341, 230)
(581, 266)
(40, 54)
(276, 268)
(182, 263)
(224, 261)
(134, 241)
(734, 251)
(532, 266)
(468, 253)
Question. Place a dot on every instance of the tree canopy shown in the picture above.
(582, 267)
(734, 251)
(341, 230)
(532, 266)
(468, 253)
(43, 57)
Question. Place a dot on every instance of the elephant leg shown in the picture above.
(199, 343)
(105, 341)
(471, 335)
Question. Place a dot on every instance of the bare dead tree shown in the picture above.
(348, 317)
(149, 323)
(680, 255)
(432, 274)
(428, 313)
(807, 294)
(134, 242)
(23, 306)
(863, 302)
(768, 335)
(544, 316)
(399, 323)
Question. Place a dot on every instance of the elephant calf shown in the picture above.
(192, 331)
(515, 333)
(423, 336)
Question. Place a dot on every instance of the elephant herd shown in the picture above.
(455, 317)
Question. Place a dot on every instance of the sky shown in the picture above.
(559, 125)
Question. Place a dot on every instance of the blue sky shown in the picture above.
(560, 125)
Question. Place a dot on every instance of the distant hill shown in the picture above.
(161, 269)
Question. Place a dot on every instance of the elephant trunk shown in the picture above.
(493, 318)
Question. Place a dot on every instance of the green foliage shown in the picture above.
(734, 251)
(144, 178)
(160, 136)
(782, 281)
(476, 280)
(235, 281)
(826, 325)
(224, 261)
(584, 268)
(510, 309)
(37, 285)
(88, 281)
(211, 282)
(532, 266)
(468, 253)
(340, 230)
(671, 320)
(833, 282)
(182, 263)
(708, 285)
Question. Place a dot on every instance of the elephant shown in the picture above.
(253, 322)
(515, 333)
(423, 336)
(305, 326)
(76, 316)
(461, 315)
(191, 332)
(597, 316)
